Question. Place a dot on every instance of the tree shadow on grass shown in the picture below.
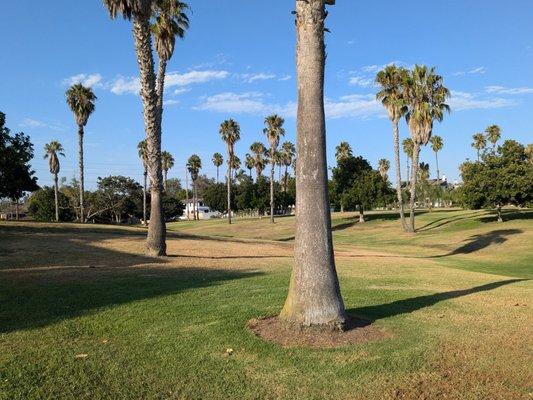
(479, 242)
(445, 221)
(508, 215)
(376, 312)
(45, 279)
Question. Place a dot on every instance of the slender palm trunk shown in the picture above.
(361, 213)
(407, 177)
(414, 173)
(285, 179)
(217, 173)
(478, 155)
(399, 195)
(145, 175)
(229, 192)
(437, 162)
(314, 296)
(156, 239)
(272, 193)
(188, 206)
(56, 200)
(165, 180)
(195, 194)
(80, 164)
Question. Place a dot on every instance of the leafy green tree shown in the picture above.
(81, 100)
(500, 178)
(426, 95)
(230, 132)
(274, 131)
(479, 143)
(16, 175)
(368, 190)
(218, 160)
(392, 96)
(529, 153)
(43, 203)
(436, 146)
(344, 176)
(173, 207)
(215, 197)
(51, 152)
(119, 197)
(259, 151)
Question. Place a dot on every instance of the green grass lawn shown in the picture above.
(455, 299)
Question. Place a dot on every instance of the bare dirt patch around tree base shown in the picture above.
(357, 330)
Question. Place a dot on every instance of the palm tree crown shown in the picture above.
(129, 8)
(171, 21)
(494, 132)
(289, 151)
(217, 159)
(480, 142)
(51, 152)
(274, 131)
(391, 95)
(167, 161)
(343, 151)
(81, 101)
(230, 131)
(383, 167)
(436, 143)
(408, 145)
(249, 162)
(194, 164)
(142, 148)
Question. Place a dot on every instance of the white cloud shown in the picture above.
(88, 80)
(261, 76)
(356, 105)
(361, 81)
(121, 84)
(32, 123)
(181, 91)
(285, 78)
(244, 103)
(511, 91)
(171, 102)
(476, 70)
(469, 101)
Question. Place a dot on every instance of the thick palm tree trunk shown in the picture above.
(272, 193)
(229, 193)
(145, 174)
(80, 164)
(414, 176)
(396, 138)
(56, 200)
(156, 239)
(314, 296)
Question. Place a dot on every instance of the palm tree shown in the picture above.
(343, 151)
(167, 162)
(436, 146)
(383, 167)
(81, 100)
(529, 153)
(392, 97)
(218, 160)
(235, 165)
(479, 143)
(171, 21)
(250, 163)
(259, 150)
(51, 151)
(194, 165)
(230, 131)
(493, 132)
(288, 151)
(142, 148)
(140, 12)
(314, 296)
(274, 131)
(426, 95)
(408, 147)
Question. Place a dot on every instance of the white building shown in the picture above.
(204, 212)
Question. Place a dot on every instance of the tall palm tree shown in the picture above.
(235, 165)
(436, 146)
(392, 97)
(288, 151)
(171, 21)
(230, 131)
(167, 163)
(140, 12)
(194, 165)
(259, 151)
(218, 160)
(274, 131)
(142, 148)
(426, 95)
(81, 100)
(383, 167)
(479, 143)
(314, 296)
(51, 151)
(408, 148)
(343, 151)
(494, 133)
(250, 163)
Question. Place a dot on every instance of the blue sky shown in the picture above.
(238, 61)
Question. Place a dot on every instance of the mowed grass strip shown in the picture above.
(84, 314)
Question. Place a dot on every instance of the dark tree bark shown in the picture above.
(272, 193)
(80, 164)
(414, 178)
(399, 195)
(56, 200)
(314, 296)
(145, 188)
